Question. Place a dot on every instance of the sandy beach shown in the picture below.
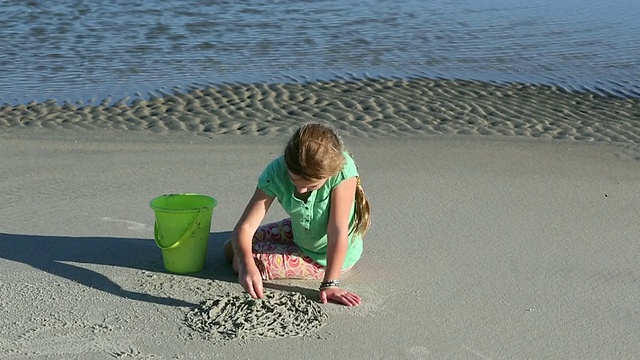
(505, 221)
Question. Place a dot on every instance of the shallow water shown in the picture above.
(87, 51)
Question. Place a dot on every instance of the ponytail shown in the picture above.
(362, 211)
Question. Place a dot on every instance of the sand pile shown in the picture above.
(277, 315)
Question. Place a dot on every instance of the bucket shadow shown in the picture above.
(52, 254)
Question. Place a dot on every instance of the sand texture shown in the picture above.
(505, 225)
(366, 108)
(277, 315)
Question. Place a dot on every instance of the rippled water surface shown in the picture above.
(92, 50)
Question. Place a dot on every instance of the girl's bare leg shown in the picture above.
(228, 253)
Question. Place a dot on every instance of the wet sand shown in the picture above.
(367, 108)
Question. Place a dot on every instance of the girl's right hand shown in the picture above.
(248, 274)
(250, 278)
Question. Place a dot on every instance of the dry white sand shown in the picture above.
(483, 246)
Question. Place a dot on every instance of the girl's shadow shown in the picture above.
(52, 254)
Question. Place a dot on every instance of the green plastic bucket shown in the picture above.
(181, 231)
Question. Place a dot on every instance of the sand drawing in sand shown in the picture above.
(277, 315)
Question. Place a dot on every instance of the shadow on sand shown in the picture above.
(52, 254)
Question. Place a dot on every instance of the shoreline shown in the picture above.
(363, 108)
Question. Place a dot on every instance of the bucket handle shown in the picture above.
(157, 234)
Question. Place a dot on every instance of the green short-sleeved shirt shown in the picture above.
(309, 219)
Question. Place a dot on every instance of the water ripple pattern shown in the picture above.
(81, 50)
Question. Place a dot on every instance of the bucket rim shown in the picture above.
(213, 204)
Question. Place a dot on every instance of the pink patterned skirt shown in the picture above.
(278, 257)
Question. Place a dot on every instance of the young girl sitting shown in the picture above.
(317, 184)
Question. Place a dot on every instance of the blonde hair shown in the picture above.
(314, 152)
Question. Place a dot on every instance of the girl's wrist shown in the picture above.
(329, 284)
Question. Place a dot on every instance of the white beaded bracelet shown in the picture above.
(328, 284)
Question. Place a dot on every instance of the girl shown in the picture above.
(317, 185)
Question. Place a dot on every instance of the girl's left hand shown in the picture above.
(339, 296)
